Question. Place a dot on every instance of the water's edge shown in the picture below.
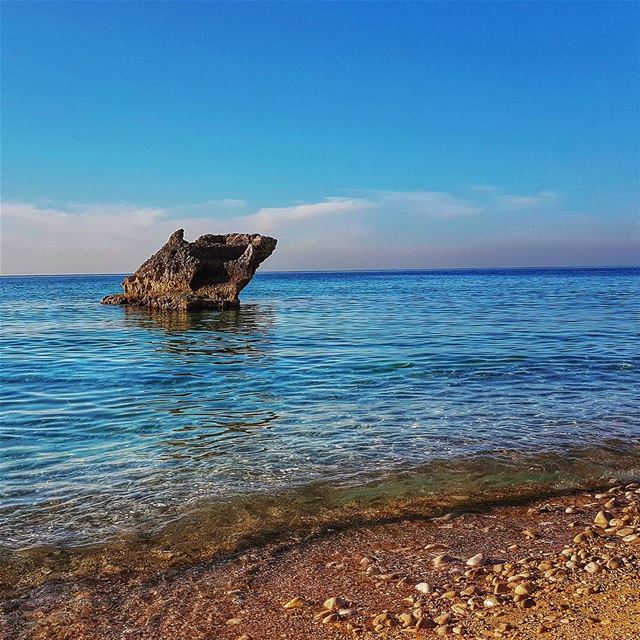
(218, 527)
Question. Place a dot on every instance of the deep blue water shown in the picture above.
(114, 418)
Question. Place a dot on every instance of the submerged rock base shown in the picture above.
(208, 273)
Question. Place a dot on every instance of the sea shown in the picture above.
(326, 397)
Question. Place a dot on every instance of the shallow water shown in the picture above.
(323, 388)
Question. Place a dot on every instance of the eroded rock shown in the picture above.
(207, 273)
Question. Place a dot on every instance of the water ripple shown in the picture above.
(116, 418)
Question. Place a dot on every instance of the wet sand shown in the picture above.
(512, 571)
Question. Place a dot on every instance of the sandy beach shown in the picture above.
(565, 567)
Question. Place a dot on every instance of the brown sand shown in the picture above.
(374, 569)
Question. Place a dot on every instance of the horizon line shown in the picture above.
(391, 270)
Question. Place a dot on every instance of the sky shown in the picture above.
(362, 135)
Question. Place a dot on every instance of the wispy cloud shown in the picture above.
(428, 204)
(271, 218)
(368, 230)
(425, 204)
(514, 202)
(77, 238)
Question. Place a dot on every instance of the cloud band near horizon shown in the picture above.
(483, 227)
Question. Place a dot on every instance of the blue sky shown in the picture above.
(362, 135)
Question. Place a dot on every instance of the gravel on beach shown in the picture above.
(566, 567)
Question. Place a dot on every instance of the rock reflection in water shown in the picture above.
(230, 339)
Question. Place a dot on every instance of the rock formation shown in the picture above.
(207, 273)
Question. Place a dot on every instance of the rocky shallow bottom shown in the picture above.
(566, 567)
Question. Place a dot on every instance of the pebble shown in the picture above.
(442, 619)
(527, 603)
(525, 588)
(406, 620)
(491, 601)
(481, 592)
(423, 587)
(476, 561)
(602, 519)
(294, 603)
(584, 535)
(334, 603)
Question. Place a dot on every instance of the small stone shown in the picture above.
(334, 603)
(233, 621)
(476, 561)
(384, 619)
(592, 567)
(406, 620)
(388, 577)
(527, 603)
(602, 519)
(294, 603)
(423, 587)
(524, 589)
(584, 535)
(614, 563)
(321, 614)
(332, 617)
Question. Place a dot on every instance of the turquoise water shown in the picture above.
(116, 419)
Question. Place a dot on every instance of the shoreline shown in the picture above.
(374, 568)
(206, 528)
